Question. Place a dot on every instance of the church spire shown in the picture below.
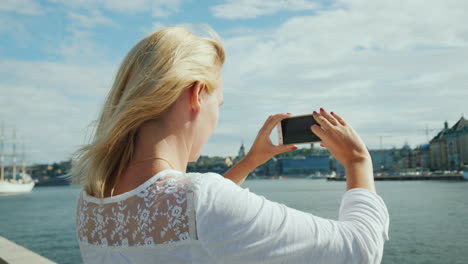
(241, 150)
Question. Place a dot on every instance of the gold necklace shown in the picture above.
(135, 163)
(143, 160)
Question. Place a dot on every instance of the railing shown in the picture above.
(13, 253)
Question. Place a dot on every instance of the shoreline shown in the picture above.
(448, 177)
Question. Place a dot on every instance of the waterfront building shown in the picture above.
(337, 167)
(383, 159)
(405, 157)
(421, 157)
(228, 161)
(241, 153)
(303, 166)
(449, 148)
(267, 169)
(271, 166)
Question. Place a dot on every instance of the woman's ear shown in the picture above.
(196, 93)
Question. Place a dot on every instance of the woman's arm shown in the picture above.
(360, 175)
(337, 136)
(261, 151)
(240, 170)
(347, 147)
(238, 226)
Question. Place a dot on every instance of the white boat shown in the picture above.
(13, 182)
(23, 185)
(319, 175)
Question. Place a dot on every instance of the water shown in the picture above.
(428, 219)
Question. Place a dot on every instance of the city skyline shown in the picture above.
(390, 70)
(20, 148)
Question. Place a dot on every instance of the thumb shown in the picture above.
(286, 148)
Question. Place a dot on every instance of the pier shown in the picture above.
(444, 177)
(13, 253)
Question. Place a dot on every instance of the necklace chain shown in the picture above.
(140, 161)
(151, 158)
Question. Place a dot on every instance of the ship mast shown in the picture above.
(14, 154)
(23, 167)
(2, 172)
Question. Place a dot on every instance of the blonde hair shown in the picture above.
(153, 75)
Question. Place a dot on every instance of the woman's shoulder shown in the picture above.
(213, 192)
(170, 182)
(207, 181)
(206, 176)
(211, 175)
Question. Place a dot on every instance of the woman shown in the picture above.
(139, 205)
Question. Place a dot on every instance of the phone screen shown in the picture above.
(297, 129)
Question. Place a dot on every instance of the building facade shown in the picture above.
(304, 165)
(448, 150)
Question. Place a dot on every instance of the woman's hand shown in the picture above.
(339, 138)
(263, 149)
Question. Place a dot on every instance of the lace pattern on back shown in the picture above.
(160, 213)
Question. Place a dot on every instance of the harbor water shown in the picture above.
(428, 219)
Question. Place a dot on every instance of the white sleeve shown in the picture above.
(238, 226)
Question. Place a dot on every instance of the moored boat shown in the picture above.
(16, 186)
(12, 182)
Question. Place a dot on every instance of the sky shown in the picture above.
(391, 69)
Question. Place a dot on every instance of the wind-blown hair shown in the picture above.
(156, 71)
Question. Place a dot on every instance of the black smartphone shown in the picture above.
(296, 130)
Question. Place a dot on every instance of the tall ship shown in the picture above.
(12, 179)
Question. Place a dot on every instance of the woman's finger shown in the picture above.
(324, 123)
(339, 118)
(284, 148)
(320, 132)
(328, 116)
(271, 122)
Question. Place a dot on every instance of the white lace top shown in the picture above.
(177, 217)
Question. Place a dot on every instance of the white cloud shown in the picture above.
(154, 27)
(51, 104)
(165, 8)
(11, 24)
(390, 70)
(386, 69)
(24, 7)
(67, 79)
(51, 123)
(158, 25)
(79, 47)
(12, 27)
(95, 18)
(160, 8)
(234, 9)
